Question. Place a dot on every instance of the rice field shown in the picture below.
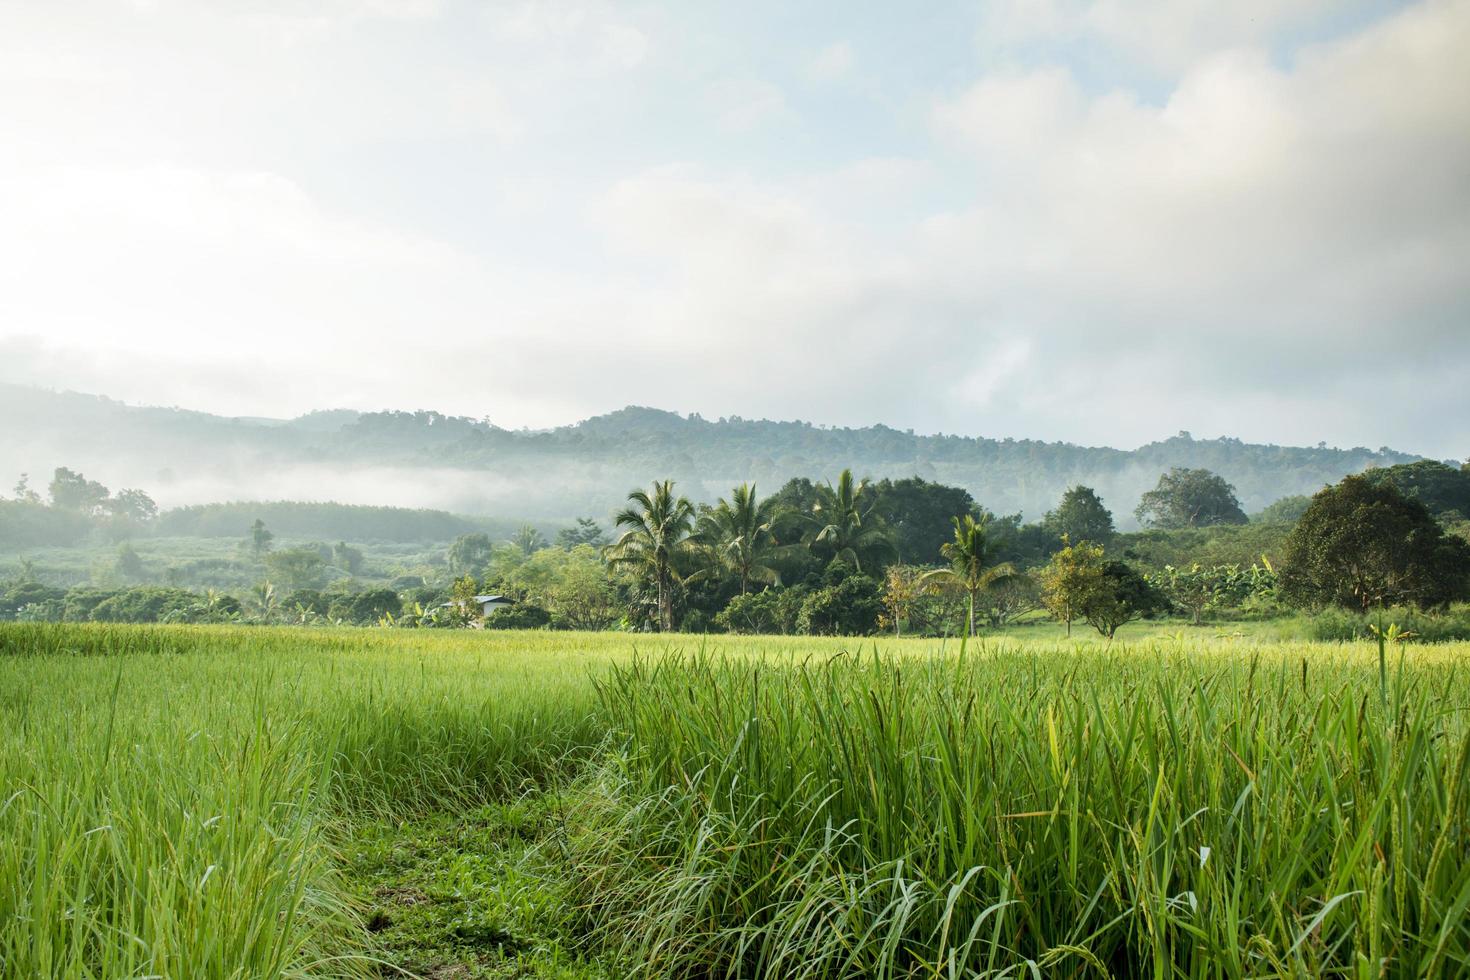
(179, 802)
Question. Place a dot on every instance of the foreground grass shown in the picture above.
(1118, 813)
(169, 794)
(215, 802)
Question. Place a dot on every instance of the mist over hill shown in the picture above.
(469, 466)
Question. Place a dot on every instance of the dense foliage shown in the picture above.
(777, 563)
(350, 522)
(1443, 490)
(1080, 516)
(1363, 543)
(1190, 498)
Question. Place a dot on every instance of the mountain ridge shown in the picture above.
(475, 466)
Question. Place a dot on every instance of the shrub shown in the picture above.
(365, 607)
(306, 599)
(1345, 626)
(79, 603)
(849, 609)
(1122, 596)
(24, 594)
(773, 610)
(147, 605)
(45, 611)
(522, 616)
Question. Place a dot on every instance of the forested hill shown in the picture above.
(473, 466)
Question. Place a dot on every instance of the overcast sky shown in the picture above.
(1100, 222)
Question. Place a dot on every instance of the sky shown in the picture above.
(1099, 222)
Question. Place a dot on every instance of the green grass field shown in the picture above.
(248, 802)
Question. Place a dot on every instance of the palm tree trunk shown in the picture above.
(972, 614)
(665, 603)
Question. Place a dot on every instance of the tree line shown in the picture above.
(831, 557)
(852, 556)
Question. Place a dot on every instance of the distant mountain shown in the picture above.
(425, 459)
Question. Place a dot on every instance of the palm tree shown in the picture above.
(528, 540)
(266, 601)
(968, 570)
(846, 523)
(738, 532)
(657, 535)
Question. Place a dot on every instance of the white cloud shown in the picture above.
(594, 34)
(1166, 37)
(743, 104)
(832, 63)
(1269, 247)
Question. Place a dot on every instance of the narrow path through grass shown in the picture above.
(475, 894)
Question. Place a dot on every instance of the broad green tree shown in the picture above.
(1362, 543)
(73, 491)
(1120, 596)
(738, 534)
(847, 528)
(918, 513)
(656, 537)
(129, 567)
(23, 491)
(851, 607)
(969, 569)
(260, 538)
(1198, 589)
(587, 532)
(581, 595)
(1189, 498)
(1070, 579)
(297, 568)
(347, 558)
(1286, 510)
(1006, 601)
(132, 505)
(462, 605)
(470, 554)
(1080, 516)
(528, 540)
(1442, 489)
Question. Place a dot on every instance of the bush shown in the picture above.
(1343, 626)
(1122, 596)
(522, 616)
(365, 607)
(310, 600)
(24, 594)
(148, 605)
(79, 603)
(770, 611)
(45, 611)
(849, 609)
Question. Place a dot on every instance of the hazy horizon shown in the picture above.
(817, 423)
(1063, 220)
(181, 457)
